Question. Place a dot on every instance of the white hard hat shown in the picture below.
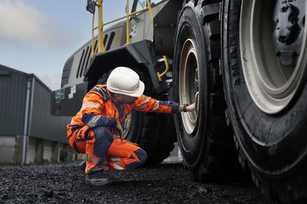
(123, 80)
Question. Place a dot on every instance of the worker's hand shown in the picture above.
(187, 108)
(190, 108)
(119, 127)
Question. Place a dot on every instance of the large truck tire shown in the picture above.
(264, 59)
(204, 137)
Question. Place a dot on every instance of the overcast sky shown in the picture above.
(37, 36)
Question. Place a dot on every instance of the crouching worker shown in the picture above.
(96, 129)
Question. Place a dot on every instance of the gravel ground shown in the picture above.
(168, 183)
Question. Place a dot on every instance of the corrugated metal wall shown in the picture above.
(13, 86)
(43, 124)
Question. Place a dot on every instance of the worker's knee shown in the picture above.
(103, 134)
(142, 156)
(103, 140)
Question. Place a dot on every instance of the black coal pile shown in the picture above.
(168, 183)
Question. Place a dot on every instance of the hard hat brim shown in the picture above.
(135, 93)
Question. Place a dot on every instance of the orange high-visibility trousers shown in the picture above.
(123, 154)
(100, 146)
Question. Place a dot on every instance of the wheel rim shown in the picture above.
(188, 83)
(273, 54)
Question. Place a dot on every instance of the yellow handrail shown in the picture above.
(101, 47)
(127, 22)
(148, 5)
(135, 13)
(167, 68)
(93, 34)
(101, 24)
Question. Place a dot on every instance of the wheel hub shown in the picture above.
(289, 21)
(273, 52)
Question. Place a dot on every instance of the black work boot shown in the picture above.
(99, 177)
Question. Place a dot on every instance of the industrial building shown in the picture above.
(29, 133)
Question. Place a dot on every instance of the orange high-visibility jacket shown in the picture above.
(99, 110)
